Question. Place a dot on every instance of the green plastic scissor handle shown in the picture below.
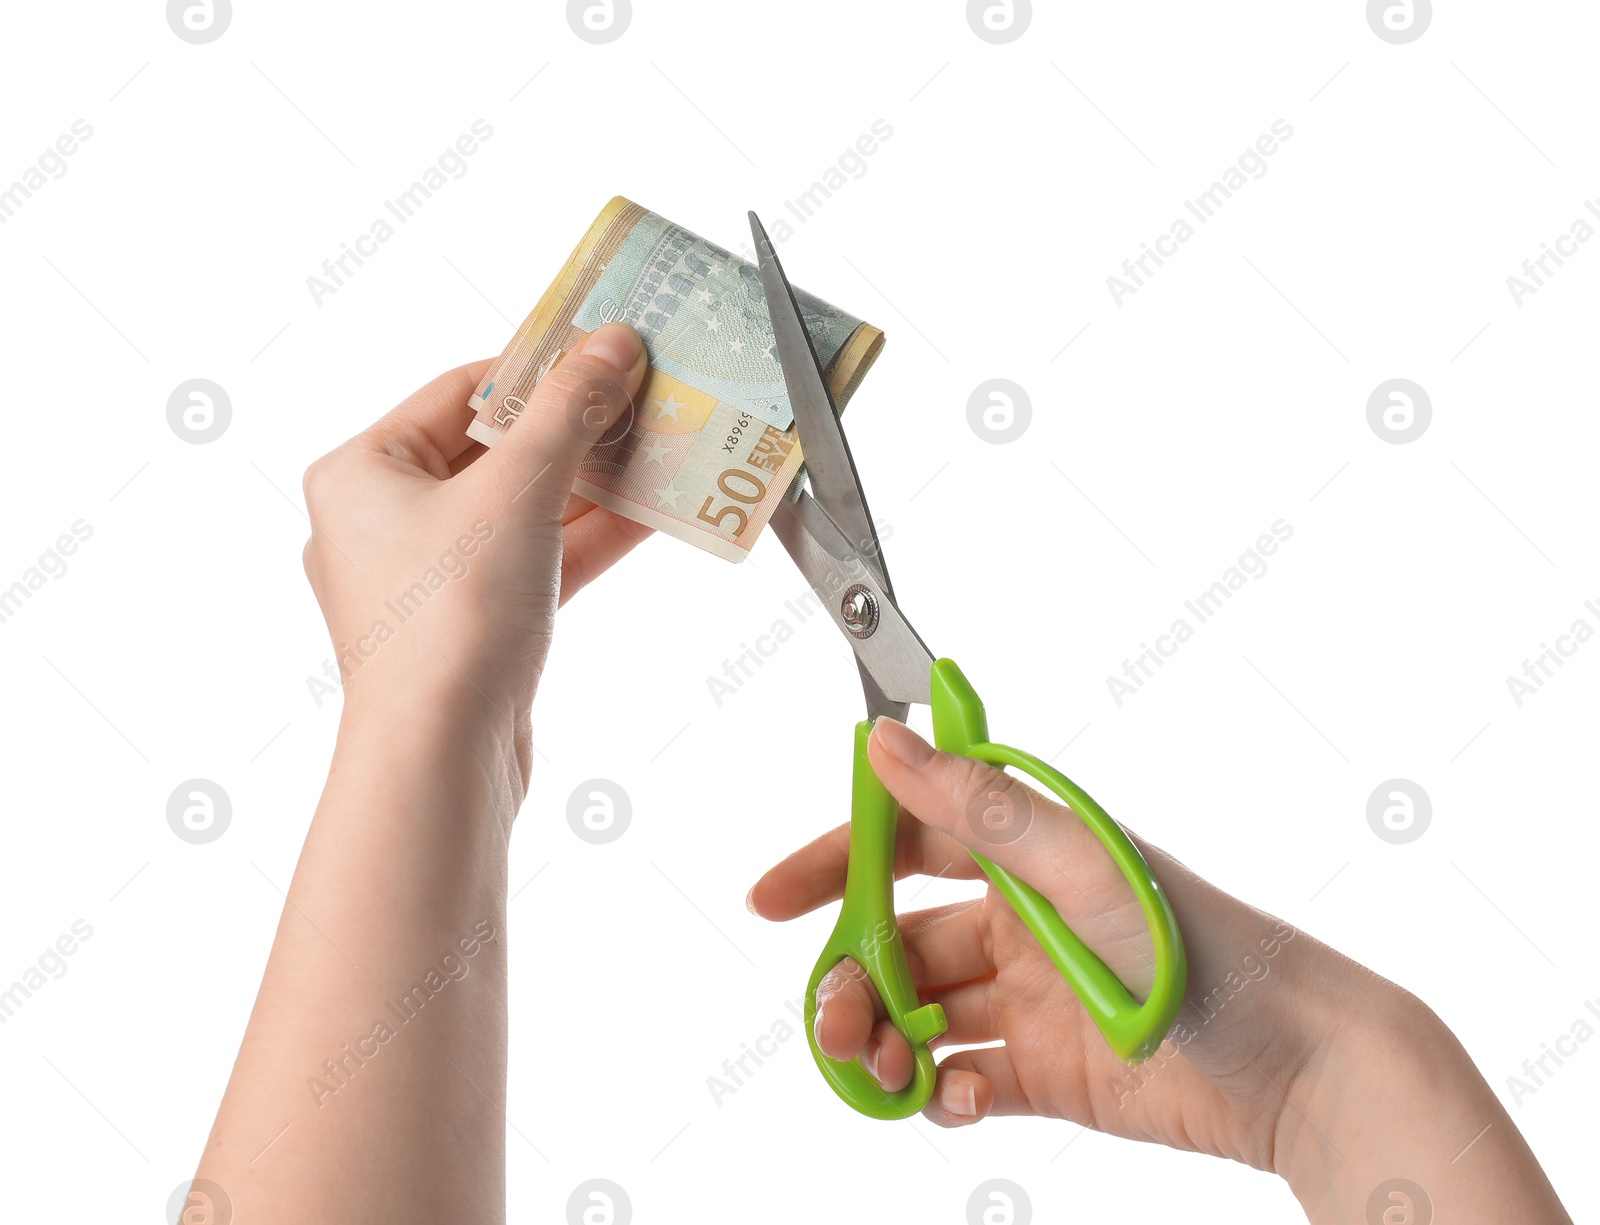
(867, 930)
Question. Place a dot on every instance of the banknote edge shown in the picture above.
(712, 543)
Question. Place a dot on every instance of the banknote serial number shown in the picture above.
(741, 486)
(731, 439)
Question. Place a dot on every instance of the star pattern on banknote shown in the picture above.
(713, 324)
(670, 406)
(656, 453)
(669, 496)
(703, 294)
(736, 346)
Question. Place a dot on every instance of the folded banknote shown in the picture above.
(707, 452)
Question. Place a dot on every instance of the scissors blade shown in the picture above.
(829, 467)
(895, 664)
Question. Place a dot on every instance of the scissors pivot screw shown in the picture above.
(860, 611)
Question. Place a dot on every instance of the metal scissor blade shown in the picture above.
(895, 665)
(831, 471)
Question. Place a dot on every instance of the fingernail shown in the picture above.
(816, 1024)
(959, 1098)
(899, 741)
(617, 344)
(750, 902)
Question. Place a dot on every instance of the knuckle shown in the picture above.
(966, 777)
(576, 370)
(852, 977)
(316, 483)
(996, 808)
(850, 985)
(314, 560)
(586, 392)
(833, 983)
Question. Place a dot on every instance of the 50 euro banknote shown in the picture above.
(707, 451)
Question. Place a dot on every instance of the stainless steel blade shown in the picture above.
(830, 469)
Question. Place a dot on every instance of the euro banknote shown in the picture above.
(707, 451)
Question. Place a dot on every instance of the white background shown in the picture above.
(1227, 393)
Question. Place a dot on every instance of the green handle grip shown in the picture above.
(867, 931)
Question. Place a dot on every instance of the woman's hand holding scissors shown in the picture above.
(1287, 1056)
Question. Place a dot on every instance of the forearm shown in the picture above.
(1393, 1105)
(378, 1039)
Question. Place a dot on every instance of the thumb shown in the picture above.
(583, 397)
(1027, 834)
(996, 816)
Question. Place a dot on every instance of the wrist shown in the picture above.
(1362, 1035)
(439, 731)
(452, 664)
(1385, 1106)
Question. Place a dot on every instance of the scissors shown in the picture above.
(829, 534)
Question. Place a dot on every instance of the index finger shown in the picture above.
(814, 875)
(430, 425)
